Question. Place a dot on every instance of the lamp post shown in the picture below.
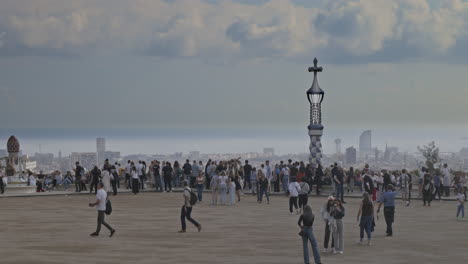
(315, 96)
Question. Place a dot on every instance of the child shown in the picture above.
(461, 203)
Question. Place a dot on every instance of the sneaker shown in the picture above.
(334, 251)
(94, 234)
(359, 242)
(182, 231)
(199, 228)
(341, 252)
(325, 250)
(369, 243)
(112, 233)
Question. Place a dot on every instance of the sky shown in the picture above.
(231, 63)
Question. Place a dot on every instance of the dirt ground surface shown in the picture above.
(56, 229)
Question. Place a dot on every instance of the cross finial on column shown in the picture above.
(315, 69)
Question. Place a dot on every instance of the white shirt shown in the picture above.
(294, 188)
(134, 175)
(139, 168)
(285, 171)
(446, 180)
(101, 195)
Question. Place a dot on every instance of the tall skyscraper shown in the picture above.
(365, 142)
(338, 145)
(350, 156)
(100, 150)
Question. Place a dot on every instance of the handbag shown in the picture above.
(302, 233)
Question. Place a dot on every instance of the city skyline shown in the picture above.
(196, 64)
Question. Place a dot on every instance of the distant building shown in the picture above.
(44, 159)
(463, 152)
(351, 156)
(365, 142)
(338, 145)
(269, 152)
(113, 156)
(194, 155)
(100, 150)
(87, 159)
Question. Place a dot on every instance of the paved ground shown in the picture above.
(55, 229)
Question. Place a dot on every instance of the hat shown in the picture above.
(331, 198)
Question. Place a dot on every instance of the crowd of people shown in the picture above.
(228, 180)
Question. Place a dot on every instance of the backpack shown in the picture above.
(108, 207)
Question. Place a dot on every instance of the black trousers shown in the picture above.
(135, 186)
(447, 191)
(91, 185)
(303, 199)
(83, 186)
(192, 182)
(101, 221)
(208, 181)
(292, 202)
(114, 186)
(427, 196)
(187, 213)
(247, 181)
(142, 181)
(2, 186)
(277, 185)
(437, 192)
(328, 235)
(127, 180)
(78, 184)
(389, 214)
(167, 182)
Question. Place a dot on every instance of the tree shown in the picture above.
(431, 153)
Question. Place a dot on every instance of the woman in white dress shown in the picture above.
(106, 181)
(223, 188)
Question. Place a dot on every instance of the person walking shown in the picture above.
(437, 187)
(427, 189)
(365, 217)
(263, 185)
(461, 203)
(106, 181)
(388, 201)
(405, 182)
(222, 188)
(337, 213)
(167, 174)
(135, 180)
(446, 180)
(2, 184)
(100, 203)
(303, 195)
(195, 173)
(247, 172)
(306, 220)
(276, 178)
(293, 190)
(200, 181)
(214, 184)
(318, 178)
(114, 179)
(350, 180)
(325, 212)
(95, 174)
(186, 212)
(78, 174)
(232, 190)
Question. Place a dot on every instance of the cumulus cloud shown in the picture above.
(370, 29)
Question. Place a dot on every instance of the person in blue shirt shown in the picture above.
(388, 201)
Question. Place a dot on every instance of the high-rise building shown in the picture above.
(365, 142)
(351, 154)
(100, 150)
(338, 145)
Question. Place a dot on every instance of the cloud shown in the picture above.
(341, 31)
